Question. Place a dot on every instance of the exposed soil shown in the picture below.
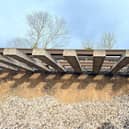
(66, 88)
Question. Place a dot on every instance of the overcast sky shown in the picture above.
(86, 19)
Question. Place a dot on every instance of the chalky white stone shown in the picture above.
(47, 113)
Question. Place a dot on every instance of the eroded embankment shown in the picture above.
(66, 88)
(41, 101)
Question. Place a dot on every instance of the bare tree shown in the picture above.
(108, 40)
(46, 31)
(88, 45)
(19, 43)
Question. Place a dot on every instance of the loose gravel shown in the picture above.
(48, 113)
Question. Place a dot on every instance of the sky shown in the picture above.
(86, 19)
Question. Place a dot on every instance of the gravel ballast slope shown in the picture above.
(47, 113)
